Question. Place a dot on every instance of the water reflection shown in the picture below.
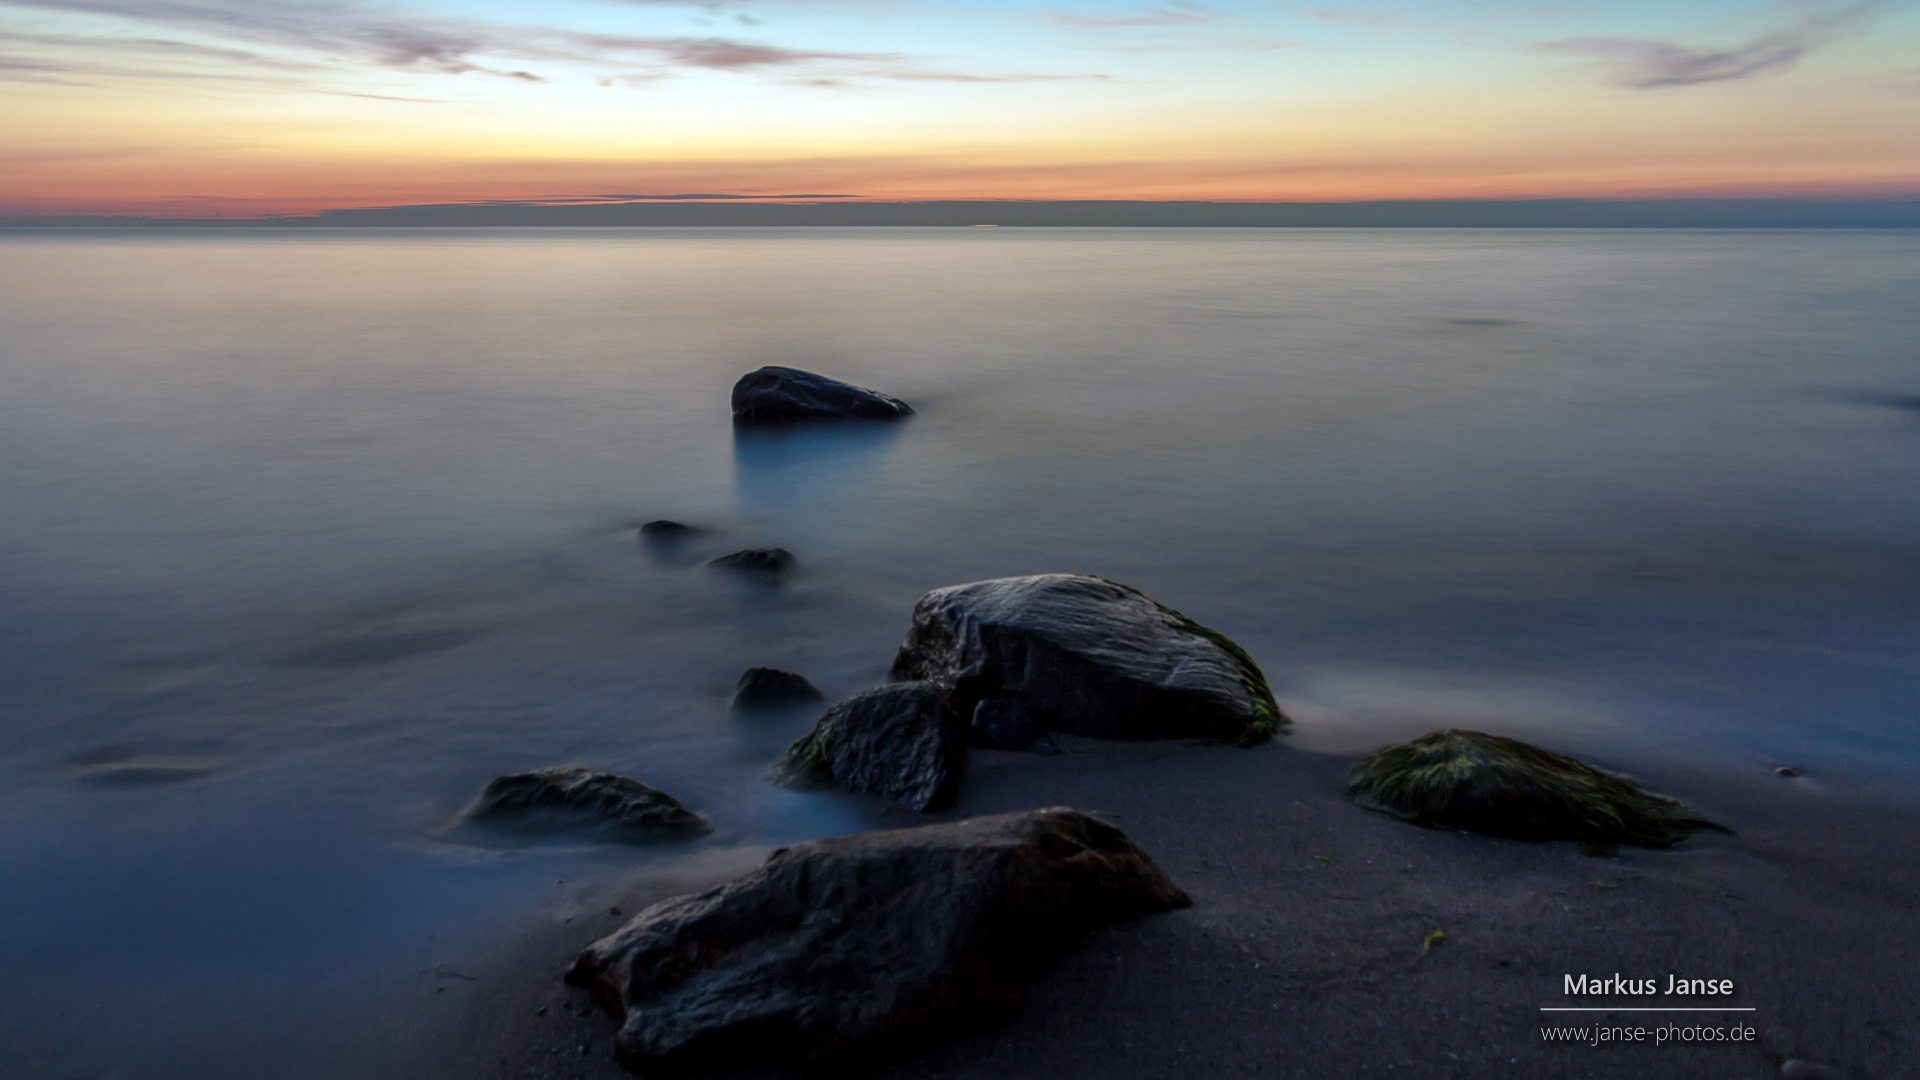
(804, 474)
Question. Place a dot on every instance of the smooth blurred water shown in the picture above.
(305, 535)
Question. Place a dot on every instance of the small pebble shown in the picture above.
(1785, 770)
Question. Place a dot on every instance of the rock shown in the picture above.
(1089, 657)
(1006, 724)
(901, 741)
(1795, 1069)
(768, 688)
(668, 530)
(570, 798)
(757, 560)
(1504, 787)
(783, 395)
(836, 951)
(1786, 771)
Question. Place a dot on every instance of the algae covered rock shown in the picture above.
(573, 799)
(1089, 657)
(784, 395)
(840, 950)
(1504, 787)
(901, 741)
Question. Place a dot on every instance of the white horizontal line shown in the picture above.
(1677, 1009)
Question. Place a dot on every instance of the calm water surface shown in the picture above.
(304, 536)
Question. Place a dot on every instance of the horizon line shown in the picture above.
(1689, 211)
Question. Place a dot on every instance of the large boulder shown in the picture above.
(1504, 787)
(839, 950)
(573, 799)
(1089, 657)
(901, 741)
(784, 395)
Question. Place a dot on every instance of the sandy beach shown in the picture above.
(1303, 953)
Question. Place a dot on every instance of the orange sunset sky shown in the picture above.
(234, 108)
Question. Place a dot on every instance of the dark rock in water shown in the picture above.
(757, 560)
(784, 395)
(1504, 787)
(901, 741)
(1786, 771)
(1006, 724)
(1796, 1069)
(1090, 657)
(572, 798)
(668, 530)
(839, 951)
(767, 688)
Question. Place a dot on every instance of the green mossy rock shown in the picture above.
(1503, 787)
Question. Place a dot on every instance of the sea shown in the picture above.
(306, 534)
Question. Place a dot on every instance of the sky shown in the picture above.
(237, 108)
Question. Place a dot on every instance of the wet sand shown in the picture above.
(1302, 955)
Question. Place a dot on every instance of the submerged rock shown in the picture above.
(1006, 724)
(117, 766)
(668, 530)
(901, 741)
(1504, 787)
(1090, 657)
(783, 395)
(569, 798)
(842, 949)
(757, 561)
(769, 688)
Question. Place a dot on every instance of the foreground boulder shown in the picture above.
(901, 741)
(1504, 787)
(771, 688)
(1089, 657)
(840, 950)
(572, 799)
(783, 395)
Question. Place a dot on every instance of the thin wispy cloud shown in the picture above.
(909, 75)
(625, 198)
(1646, 64)
(19, 69)
(356, 35)
(1246, 43)
(1175, 14)
(159, 48)
(346, 30)
(1353, 18)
